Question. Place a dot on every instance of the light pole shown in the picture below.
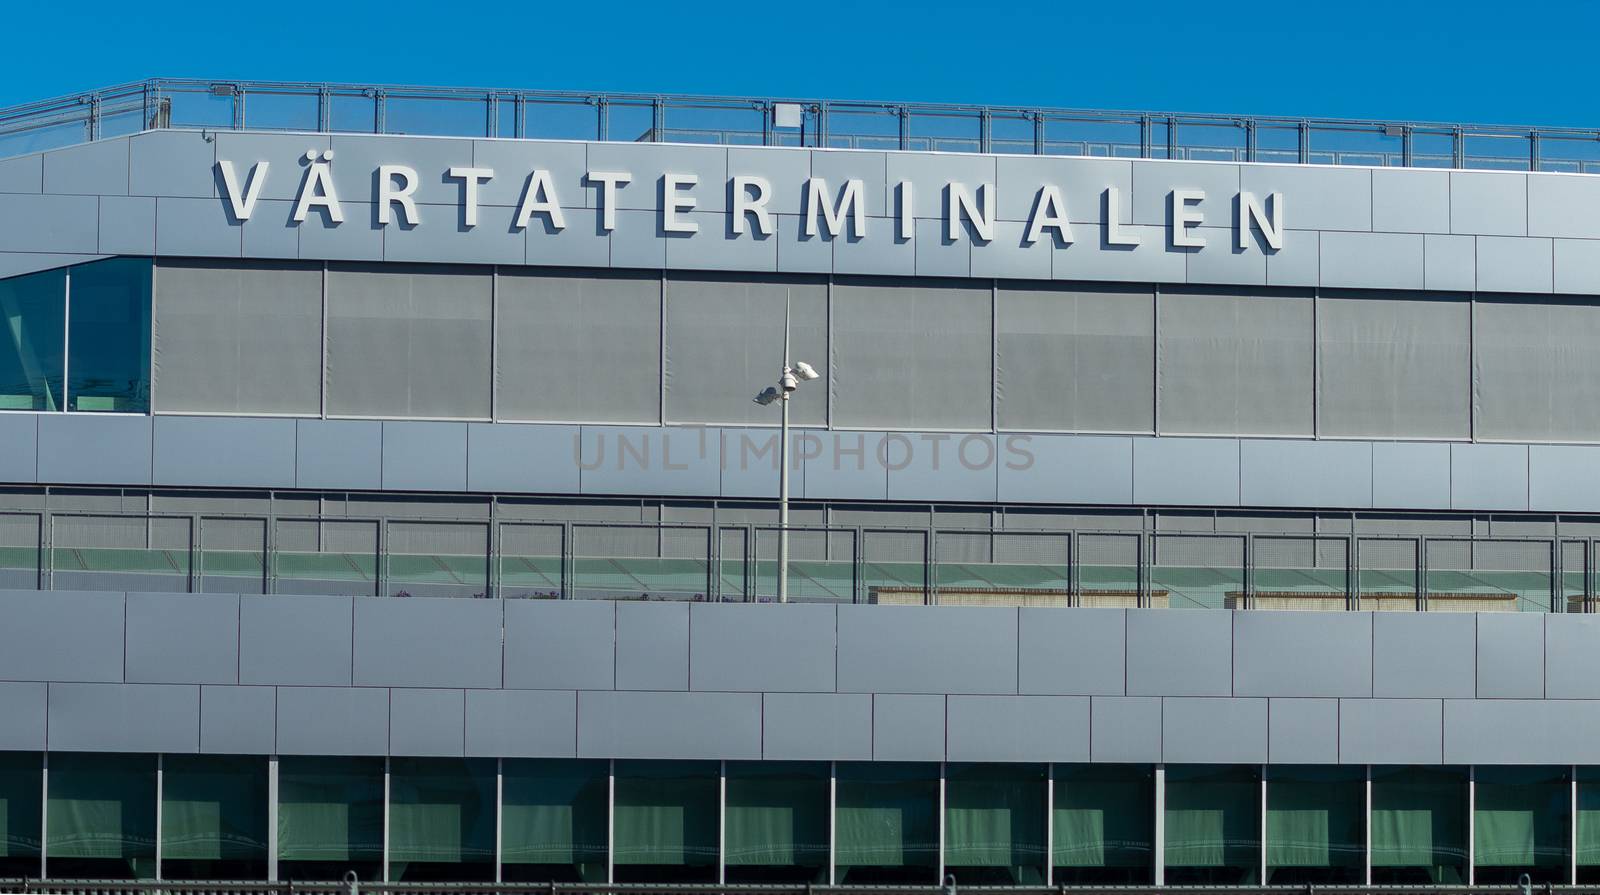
(788, 381)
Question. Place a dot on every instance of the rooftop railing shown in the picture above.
(753, 121)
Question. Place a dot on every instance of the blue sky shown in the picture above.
(1424, 60)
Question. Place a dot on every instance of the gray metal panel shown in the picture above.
(1008, 257)
(1082, 182)
(124, 718)
(24, 174)
(799, 253)
(1489, 476)
(908, 728)
(1410, 474)
(19, 447)
(127, 225)
(1521, 731)
(1222, 261)
(930, 172)
(443, 237)
(1094, 259)
(1018, 728)
(1391, 731)
(1534, 371)
(1563, 478)
(89, 169)
(1450, 262)
(23, 705)
(1372, 260)
(1424, 654)
(1394, 365)
(816, 727)
(283, 152)
(224, 451)
(238, 720)
(835, 166)
(903, 649)
(652, 646)
(880, 251)
(582, 241)
(1563, 206)
(174, 163)
(1571, 663)
(37, 623)
(1300, 261)
(520, 458)
(357, 156)
(1065, 469)
(1303, 731)
(1154, 181)
(44, 223)
(333, 721)
(272, 233)
(1488, 203)
(295, 640)
(421, 456)
(708, 163)
(427, 722)
(1577, 266)
(1180, 653)
(1410, 201)
(1125, 728)
(355, 241)
(1079, 652)
(183, 638)
(937, 255)
(522, 723)
(642, 460)
(1325, 197)
(716, 247)
(339, 454)
(847, 467)
(1302, 654)
(750, 460)
(750, 647)
(785, 169)
(198, 227)
(560, 644)
(87, 449)
(638, 239)
(1274, 473)
(1186, 471)
(1515, 264)
(1511, 655)
(641, 724)
(1214, 730)
(943, 468)
(427, 642)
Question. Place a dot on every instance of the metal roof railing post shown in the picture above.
(324, 109)
(491, 115)
(821, 138)
(985, 128)
(1458, 148)
(658, 120)
(1144, 136)
(519, 115)
(379, 111)
(905, 127)
(1305, 142)
(1249, 139)
(1533, 151)
(1172, 136)
(91, 124)
(1038, 133)
(1408, 146)
(602, 108)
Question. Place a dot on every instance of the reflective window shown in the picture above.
(888, 824)
(777, 822)
(21, 783)
(554, 823)
(330, 818)
(441, 819)
(1520, 825)
(213, 817)
(33, 313)
(102, 816)
(1588, 820)
(1213, 826)
(994, 820)
(1316, 825)
(108, 341)
(666, 822)
(1104, 825)
(1419, 826)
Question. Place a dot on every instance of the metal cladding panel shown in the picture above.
(908, 727)
(707, 163)
(1488, 204)
(1011, 256)
(182, 638)
(127, 225)
(238, 720)
(357, 156)
(1521, 731)
(1154, 183)
(1511, 655)
(124, 718)
(940, 255)
(848, 466)
(1450, 262)
(1419, 654)
(879, 249)
(928, 175)
(339, 454)
(1223, 262)
(1274, 473)
(937, 467)
(686, 725)
(446, 238)
(272, 232)
(38, 623)
(19, 447)
(750, 461)
(1097, 259)
(23, 174)
(799, 253)
(1082, 183)
(816, 726)
(197, 227)
(522, 723)
(1186, 471)
(1018, 728)
(1302, 654)
(1406, 475)
(751, 647)
(1563, 206)
(1299, 263)
(560, 644)
(1210, 730)
(85, 449)
(1332, 198)
(89, 169)
(903, 649)
(1303, 731)
(1516, 264)
(1489, 476)
(1180, 653)
(1577, 266)
(284, 154)
(1372, 260)
(172, 163)
(1391, 731)
(427, 642)
(322, 241)
(333, 721)
(583, 241)
(785, 169)
(1563, 477)
(511, 457)
(1410, 201)
(420, 456)
(295, 640)
(23, 705)
(715, 246)
(1571, 663)
(1125, 728)
(427, 722)
(1065, 469)
(1082, 652)
(224, 451)
(871, 168)
(636, 460)
(652, 646)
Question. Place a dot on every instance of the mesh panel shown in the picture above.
(530, 561)
(1108, 570)
(120, 553)
(1235, 363)
(734, 546)
(1198, 572)
(336, 558)
(1574, 565)
(1535, 371)
(1299, 573)
(233, 556)
(640, 563)
(19, 551)
(1004, 569)
(1388, 576)
(1489, 576)
(822, 565)
(438, 559)
(893, 568)
(1393, 365)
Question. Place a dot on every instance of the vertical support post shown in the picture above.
(380, 111)
(1249, 139)
(1038, 133)
(611, 821)
(1407, 146)
(1305, 142)
(519, 115)
(1144, 136)
(161, 760)
(324, 110)
(1261, 837)
(602, 108)
(92, 126)
(1366, 870)
(1050, 824)
(658, 120)
(1458, 148)
(1160, 845)
(44, 815)
(1172, 136)
(387, 798)
(1472, 824)
(272, 819)
(905, 128)
(985, 130)
(1572, 827)
(722, 822)
(499, 818)
(783, 464)
(833, 822)
(1250, 574)
(938, 878)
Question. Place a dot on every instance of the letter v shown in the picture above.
(244, 204)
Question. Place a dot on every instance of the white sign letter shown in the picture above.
(673, 201)
(1271, 227)
(539, 197)
(851, 202)
(244, 204)
(907, 221)
(388, 195)
(1114, 234)
(1182, 216)
(470, 178)
(317, 189)
(744, 203)
(961, 202)
(1049, 212)
(609, 181)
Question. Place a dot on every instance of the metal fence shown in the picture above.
(751, 121)
(165, 887)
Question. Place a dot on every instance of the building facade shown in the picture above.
(397, 505)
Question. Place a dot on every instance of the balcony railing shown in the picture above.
(168, 887)
(755, 121)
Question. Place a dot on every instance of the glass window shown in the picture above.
(994, 821)
(1104, 825)
(21, 784)
(554, 821)
(888, 824)
(213, 817)
(441, 819)
(108, 360)
(666, 822)
(102, 816)
(777, 822)
(33, 311)
(1316, 825)
(1588, 826)
(330, 818)
(1520, 818)
(1213, 826)
(1419, 826)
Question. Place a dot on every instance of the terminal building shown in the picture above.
(1179, 500)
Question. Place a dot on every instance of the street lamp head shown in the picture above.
(788, 381)
(805, 371)
(767, 397)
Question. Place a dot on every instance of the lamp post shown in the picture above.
(788, 381)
